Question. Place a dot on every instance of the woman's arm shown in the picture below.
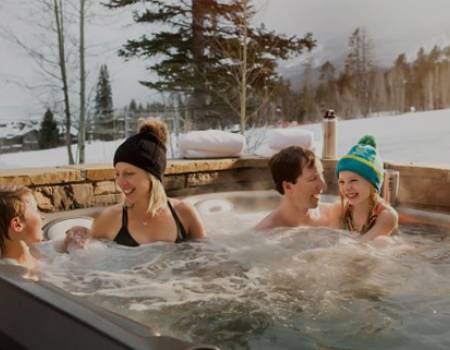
(387, 222)
(103, 227)
(108, 223)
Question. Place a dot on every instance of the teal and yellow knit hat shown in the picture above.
(363, 159)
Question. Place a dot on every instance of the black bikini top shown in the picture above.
(124, 237)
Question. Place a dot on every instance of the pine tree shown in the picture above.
(358, 66)
(48, 134)
(309, 110)
(103, 95)
(140, 110)
(420, 71)
(132, 108)
(399, 82)
(191, 62)
(326, 93)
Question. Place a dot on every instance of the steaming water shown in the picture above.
(285, 289)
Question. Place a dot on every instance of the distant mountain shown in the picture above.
(385, 49)
(332, 51)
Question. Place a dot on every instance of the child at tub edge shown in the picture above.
(360, 177)
(20, 226)
(147, 214)
(298, 176)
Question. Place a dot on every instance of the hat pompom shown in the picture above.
(368, 140)
(156, 127)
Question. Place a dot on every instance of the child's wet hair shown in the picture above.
(12, 205)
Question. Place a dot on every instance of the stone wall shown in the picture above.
(73, 187)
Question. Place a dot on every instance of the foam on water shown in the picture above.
(283, 289)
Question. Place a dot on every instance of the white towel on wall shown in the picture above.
(282, 138)
(208, 154)
(210, 143)
(277, 139)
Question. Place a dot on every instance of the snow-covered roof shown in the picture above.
(9, 129)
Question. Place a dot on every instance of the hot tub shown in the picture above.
(302, 288)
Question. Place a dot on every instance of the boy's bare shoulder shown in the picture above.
(266, 224)
(330, 214)
(330, 206)
(330, 209)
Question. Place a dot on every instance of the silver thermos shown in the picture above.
(329, 135)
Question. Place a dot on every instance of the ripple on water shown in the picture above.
(285, 289)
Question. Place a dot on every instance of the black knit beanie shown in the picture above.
(144, 150)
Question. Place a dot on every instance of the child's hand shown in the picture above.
(77, 235)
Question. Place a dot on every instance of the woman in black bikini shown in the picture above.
(146, 215)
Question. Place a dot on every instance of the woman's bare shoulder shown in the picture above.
(106, 223)
(182, 207)
(109, 212)
(189, 218)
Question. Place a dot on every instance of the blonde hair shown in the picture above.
(374, 198)
(158, 196)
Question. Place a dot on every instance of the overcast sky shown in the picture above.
(395, 26)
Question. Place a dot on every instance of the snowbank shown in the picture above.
(421, 137)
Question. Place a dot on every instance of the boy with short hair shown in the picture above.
(20, 226)
(297, 175)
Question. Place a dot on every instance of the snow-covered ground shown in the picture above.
(421, 137)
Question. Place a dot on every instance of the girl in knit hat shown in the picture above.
(146, 215)
(360, 177)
